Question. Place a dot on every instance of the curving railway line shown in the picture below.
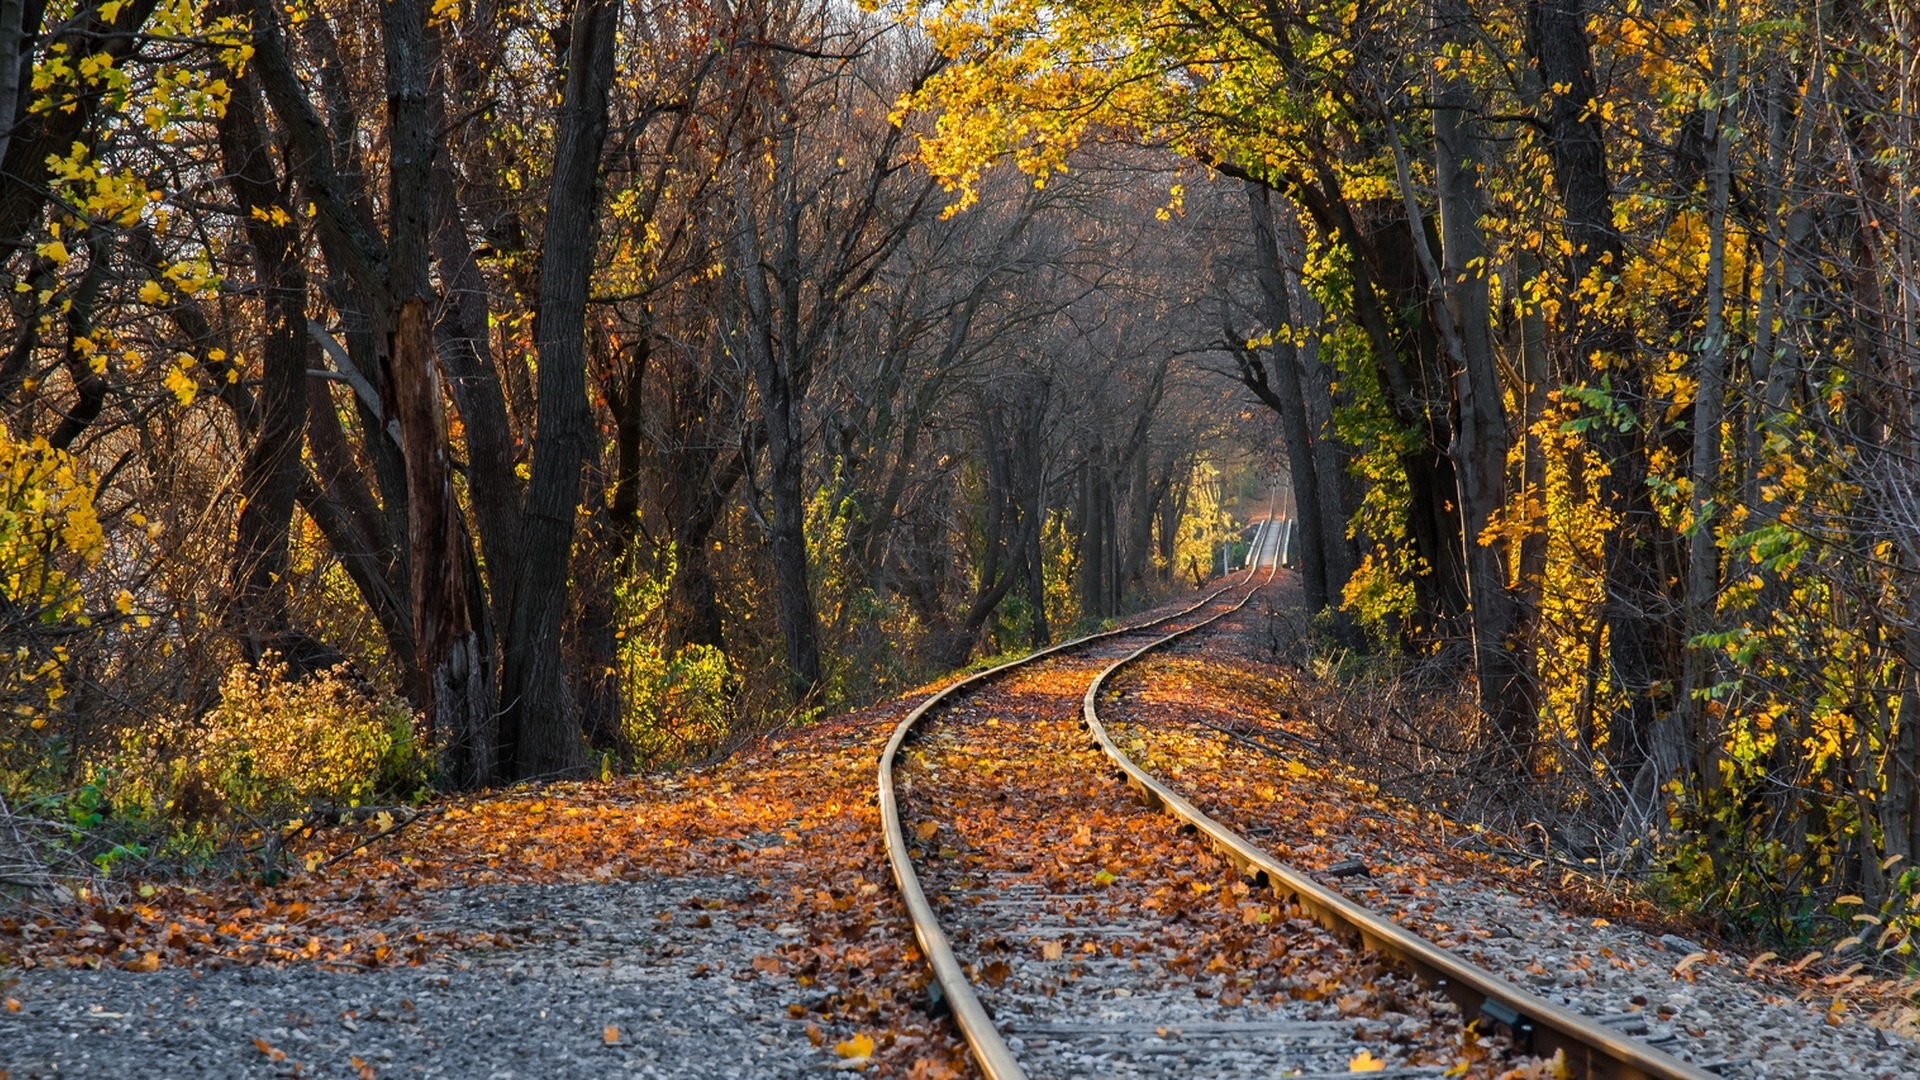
(1033, 856)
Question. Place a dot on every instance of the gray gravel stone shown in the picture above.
(684, 998)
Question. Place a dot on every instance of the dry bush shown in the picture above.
(272, 746)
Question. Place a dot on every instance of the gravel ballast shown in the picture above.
(681, 999)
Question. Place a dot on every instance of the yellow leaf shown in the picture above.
(55, 250)
(1364, 1061)
(149, 963)
(1459, 1069)
(153, 292)
(857, 1047)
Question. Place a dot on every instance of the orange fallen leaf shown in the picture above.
(857, 1047)
(361, 1069)
(267, 1048)
(149, 963)
(1364, 1061)
(926, 830)
(13, 1004)
(610, 1035)
(815, 1035)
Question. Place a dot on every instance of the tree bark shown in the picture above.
(1287, 398)
(454, 663)
(271, 473)
(1479, 444)
(1634, 592)
(538, 716)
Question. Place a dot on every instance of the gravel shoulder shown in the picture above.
(600, 985)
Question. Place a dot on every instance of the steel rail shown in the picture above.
(989, 1050)
(1538, 1026)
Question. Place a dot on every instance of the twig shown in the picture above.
(377, 837)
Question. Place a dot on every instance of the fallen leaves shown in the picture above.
(794, 816)
(1365, 1062)
(610, 1035)
(1033, 811)
(855, 1054)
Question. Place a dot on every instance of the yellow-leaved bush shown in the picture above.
(48, 534)
(272, 745)
(679, 703)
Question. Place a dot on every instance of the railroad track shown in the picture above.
(1063, 946)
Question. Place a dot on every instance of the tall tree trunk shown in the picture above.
(1689, 722)
(538, 715)
(1634, 591)
(1289, 400)
(1479, 444)
(13, 61)
(1330, 453)
(271, 473)
(454, 662)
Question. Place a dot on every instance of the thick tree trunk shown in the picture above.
(1634, 590)
(13, 61)
(454, 662)
(538, 716)
(1479, 447)
(788, 540)
(465, 350)
(1286, 397)
(1331, 454)
(1096, 544)
(272, 471)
